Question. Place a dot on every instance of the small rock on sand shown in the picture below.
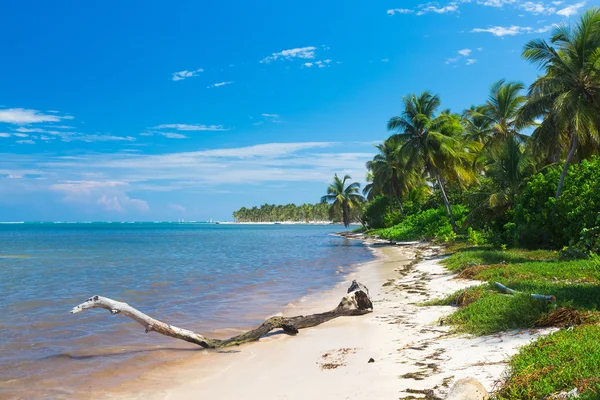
(467, 389)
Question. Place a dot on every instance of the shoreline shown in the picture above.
(413, 355)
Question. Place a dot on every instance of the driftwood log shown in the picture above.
(535, 296)
(356, 302)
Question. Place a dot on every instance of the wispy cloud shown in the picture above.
(571, 10)
(24, 116)
(214, 85)
(536, 8)
(111, 196)
(181, 75)
(290, 54)
(422, 9)
(27, 141)
(510, 30)
(395, 11)
(91, 138)
(461, 55)
(433, 8)
(496, 3)
(4, 135)
(318, 64)
(191, 127)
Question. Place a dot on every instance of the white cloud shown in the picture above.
(219, 84)
(113, 203)
(4, 135)
(172, 135)
(496, 3)
(323, 64)
(394, 11)
(109, 195)
(29, 141)
(308, 64)
(300, 52)
(461, 54)
(557, 3)
(471, 61)
(23, 116)
(191, 127)
(181, 75)
(571, 10)
(431, 7)
(92, 182)
(91, 138)
(537, 8)
(512, 30)
(504, 31)
(274, 116)
(20, 135)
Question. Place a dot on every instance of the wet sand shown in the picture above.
(413, 355)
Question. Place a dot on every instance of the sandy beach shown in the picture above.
(413, 354)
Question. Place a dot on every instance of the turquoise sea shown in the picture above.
(206, 277)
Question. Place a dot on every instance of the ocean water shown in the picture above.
(204, 277)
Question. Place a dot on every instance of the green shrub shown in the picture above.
(542, 221)
(475, 238)
(393, 218)
(431, 223)
(375, 211)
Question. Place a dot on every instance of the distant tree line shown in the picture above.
(288, 212)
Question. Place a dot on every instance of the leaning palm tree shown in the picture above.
(343, 198)
(569, 90)
(432, 145)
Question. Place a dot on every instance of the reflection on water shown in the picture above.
(209, 278)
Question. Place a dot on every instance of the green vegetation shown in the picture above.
(343, 198)
(519, 171)
(495, 182)
(560, 362)
(289, 212)
(546, 366)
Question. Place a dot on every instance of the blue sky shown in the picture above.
(153, 110)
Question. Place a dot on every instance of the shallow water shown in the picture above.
(205, 277)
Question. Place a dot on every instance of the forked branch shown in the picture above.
(356, 302)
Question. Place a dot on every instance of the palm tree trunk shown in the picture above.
(447, 204)
(346, 215)
(395, 193)
(563, 174)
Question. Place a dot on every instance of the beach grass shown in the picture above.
(567, 359)
(487, 309)
(556, 363)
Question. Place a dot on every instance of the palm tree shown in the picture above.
(477, 124)
(389, 173)
(507, 171)
(343, 198)
(570, 88)
(498, 119)
(432, 146)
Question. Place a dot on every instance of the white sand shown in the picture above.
(411, 350)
